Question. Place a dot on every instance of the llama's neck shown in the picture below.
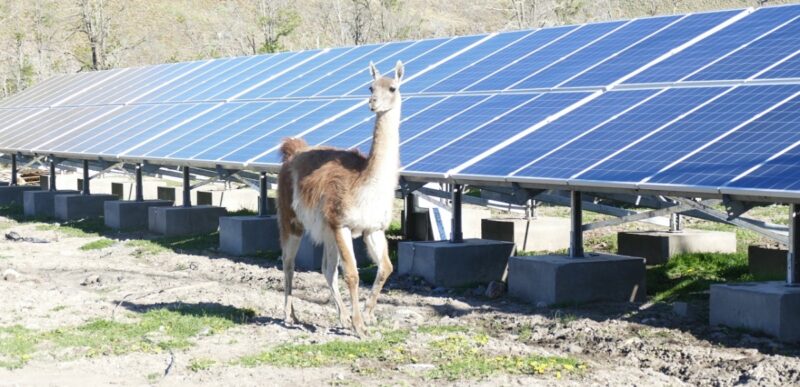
(384, 157)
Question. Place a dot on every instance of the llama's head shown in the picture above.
(385, 91)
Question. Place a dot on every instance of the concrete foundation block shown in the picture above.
(769, 307)
(13, 195)
(559, 279)
(247, 235)
(442, 263)
(767, 263)
(129, 215)
(41, 204)
(77, 206)
(309, 256)
(539, 234)
(659, 246)
(172, 221)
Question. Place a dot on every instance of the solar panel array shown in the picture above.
(704, 102)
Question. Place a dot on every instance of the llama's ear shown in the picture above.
(374, 71)
(399, 70)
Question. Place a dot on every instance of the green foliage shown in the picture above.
(200, 364)
(275, 27)
(85, 228)
(98, 244)
(689, 276)
(17, 345)
(156, 330)
(145, 247)
(325, 354)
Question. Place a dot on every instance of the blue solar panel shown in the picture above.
(646, 51)
(788, 69)
(779, 173)
(755, 57)
(557, 133)
(749, 145)
(544, 57)
(301, 76)
(471, 144)
(605, 140)
(723, 42)
(452, 82)
(582, 59)
(678, 139)
(209, 74)
(134, 87)
(100, 129)
(460, 62)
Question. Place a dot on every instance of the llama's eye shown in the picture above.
(392, 89)
(370, 89)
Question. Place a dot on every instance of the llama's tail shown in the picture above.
(291, 146)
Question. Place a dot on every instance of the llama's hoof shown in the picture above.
(360, 329)
(369, 318)
(345, 321)
(290, 318)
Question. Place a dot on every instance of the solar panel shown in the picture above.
(613, 103)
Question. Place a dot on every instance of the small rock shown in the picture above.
(681, 309)
(205, 332)
(11, 275)
(13, 236)
(495, 289)
(92, 279)
(574, 348)
(419, 367)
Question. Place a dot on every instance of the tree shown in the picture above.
(275, 23)
(96, 25)
(524, 13)
(360, 21)
(568, 11)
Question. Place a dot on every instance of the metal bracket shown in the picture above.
(774, 232)
(225, 174)
(736, 208)
(105, 166)
(407, 187)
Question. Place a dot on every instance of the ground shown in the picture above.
(91, 307)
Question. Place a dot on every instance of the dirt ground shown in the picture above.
(423, 336)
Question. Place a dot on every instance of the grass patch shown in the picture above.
(462, 357)
(85, 228)
(156, 330)
(200, 364)
(17, 345)
(325, 354)
(145, 247)
(97, 245)
(442, 329)
(688, 276)
(197, 242)
(395, 229)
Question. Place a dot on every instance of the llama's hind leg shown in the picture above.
(379, 251)
(330, 267)
(289, 247)
(344, 241)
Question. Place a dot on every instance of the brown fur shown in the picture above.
(292, 146)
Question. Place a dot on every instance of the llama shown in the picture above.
(335, 195)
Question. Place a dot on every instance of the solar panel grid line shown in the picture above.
(593, 41)
(163, 85)
(466, 133)
(185, 135)
(106, 96)
(223, 78)
(310, 71)
(445, 120)
(280, 73)
(40, 143)
(70, 93)
(653, 132)
(209, 75)
(185, 77)
(776, 64)
(15, 128)
(165, 131)
(221, 129)
(388, 60)
(685, 45)
(517, 60)
(93, 133)
(738, 49)
(618, 53)
(722, 136)
(40, 88)
(590, 130)
(478, 61)
(55, 119)
(309, 130)
(97, 145)
(521, 134)
(760, 165)
(34, 100)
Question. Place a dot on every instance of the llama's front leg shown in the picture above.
(344, 241)
(330, 267)
(290, 247)
(379, 251)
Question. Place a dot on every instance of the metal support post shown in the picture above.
(457, 236)
(139, 187)
(576, 234)
(407, 221)
(187, 188)
(52, 175)
(85, 177)
(13, 169)
(263, 209)
(792, 268)
(675, 222)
